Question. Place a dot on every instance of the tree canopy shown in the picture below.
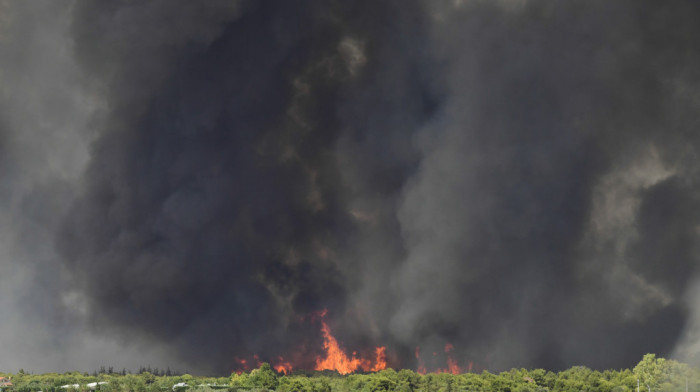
(654, 374)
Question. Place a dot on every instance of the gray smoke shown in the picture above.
(187, 183)
(45, 132)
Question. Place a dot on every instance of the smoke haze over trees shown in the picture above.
(186, 183)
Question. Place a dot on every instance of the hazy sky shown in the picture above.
(186, 183)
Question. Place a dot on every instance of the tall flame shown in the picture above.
(380, 360)
(421, 365)
(452, 366)
(336, 359)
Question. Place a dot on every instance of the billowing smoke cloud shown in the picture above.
(45, 131)
(516, 178)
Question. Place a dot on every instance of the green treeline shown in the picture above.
(654, 374)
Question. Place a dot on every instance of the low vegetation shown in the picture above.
(652, 374)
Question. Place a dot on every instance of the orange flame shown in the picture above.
(452, 365)
(421, 365)
(336, 359)
(242, 366)
(380, 360)
(282, 366)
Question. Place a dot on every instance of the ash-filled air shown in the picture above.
(511, 183)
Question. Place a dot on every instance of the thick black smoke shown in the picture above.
(518, 178)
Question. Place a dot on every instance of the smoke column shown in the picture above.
(187, 183)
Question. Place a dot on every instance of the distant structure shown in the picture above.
(94, 385)
(5, 383)
(90, 387)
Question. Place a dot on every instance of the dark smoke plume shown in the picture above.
(518, 178)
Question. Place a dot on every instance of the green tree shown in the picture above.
(264, 377)
(379, 383)
(650, 371)
(321, 384)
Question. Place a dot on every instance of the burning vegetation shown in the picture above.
(337, 358)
